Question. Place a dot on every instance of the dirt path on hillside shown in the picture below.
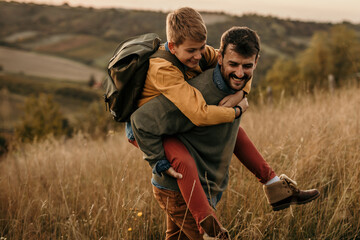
(36, 64)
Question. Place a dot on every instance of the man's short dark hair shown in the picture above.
(246, 41)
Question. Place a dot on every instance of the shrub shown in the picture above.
(77, 93)
(96, 121)
(42, 116)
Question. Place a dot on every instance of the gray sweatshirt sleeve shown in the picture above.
(154, 119)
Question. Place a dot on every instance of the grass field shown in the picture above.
(100, 189)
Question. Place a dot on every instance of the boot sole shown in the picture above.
(287, 205)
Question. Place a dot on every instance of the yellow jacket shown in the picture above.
(164, 78)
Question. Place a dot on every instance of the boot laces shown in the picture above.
(291, 183)
(293, 187)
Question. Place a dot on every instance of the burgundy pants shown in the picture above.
(190, 186)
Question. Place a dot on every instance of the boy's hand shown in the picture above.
(232, 100)
(171, 172)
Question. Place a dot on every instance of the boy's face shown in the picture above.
(189, 52)
(235, 69)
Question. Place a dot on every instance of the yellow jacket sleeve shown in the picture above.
(170, 82)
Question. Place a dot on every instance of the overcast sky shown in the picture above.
(307, 10)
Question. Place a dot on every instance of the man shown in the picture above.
(212, 146)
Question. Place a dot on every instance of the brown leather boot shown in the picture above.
(213, 229)
(284, 193)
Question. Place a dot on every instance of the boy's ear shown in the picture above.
(171, 46)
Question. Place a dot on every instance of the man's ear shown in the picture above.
(220, 58)
(171, 46)
(256, 61)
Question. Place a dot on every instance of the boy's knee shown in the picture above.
(133, 142)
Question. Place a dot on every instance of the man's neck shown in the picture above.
(219, 81)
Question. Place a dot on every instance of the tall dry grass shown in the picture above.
(100, 189)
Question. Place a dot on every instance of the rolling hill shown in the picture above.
(90, 35)
(35, 64)
(71, 44)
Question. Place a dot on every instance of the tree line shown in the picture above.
(331, 61)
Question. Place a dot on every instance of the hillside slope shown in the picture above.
(90, 35)
(36, 64)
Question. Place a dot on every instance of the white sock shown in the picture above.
(273, 180)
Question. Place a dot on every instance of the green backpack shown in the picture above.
(127, 72)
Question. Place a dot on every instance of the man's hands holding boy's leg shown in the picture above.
(171, 172)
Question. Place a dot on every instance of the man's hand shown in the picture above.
(171, 172)
(232, 100)
(244, 104)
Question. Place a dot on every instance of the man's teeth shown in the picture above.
(236, 79)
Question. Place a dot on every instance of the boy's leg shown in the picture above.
(190, 185)
(280, 192)
(177, 223)
(250, 157)
(182, 162)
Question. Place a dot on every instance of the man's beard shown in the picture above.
(245, 78)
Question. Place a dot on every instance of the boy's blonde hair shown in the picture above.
(185, 23)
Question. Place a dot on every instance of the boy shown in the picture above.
(186, 35)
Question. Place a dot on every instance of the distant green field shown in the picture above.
(87, 49)
(35, 64)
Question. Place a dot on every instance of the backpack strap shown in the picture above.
(168, 56)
